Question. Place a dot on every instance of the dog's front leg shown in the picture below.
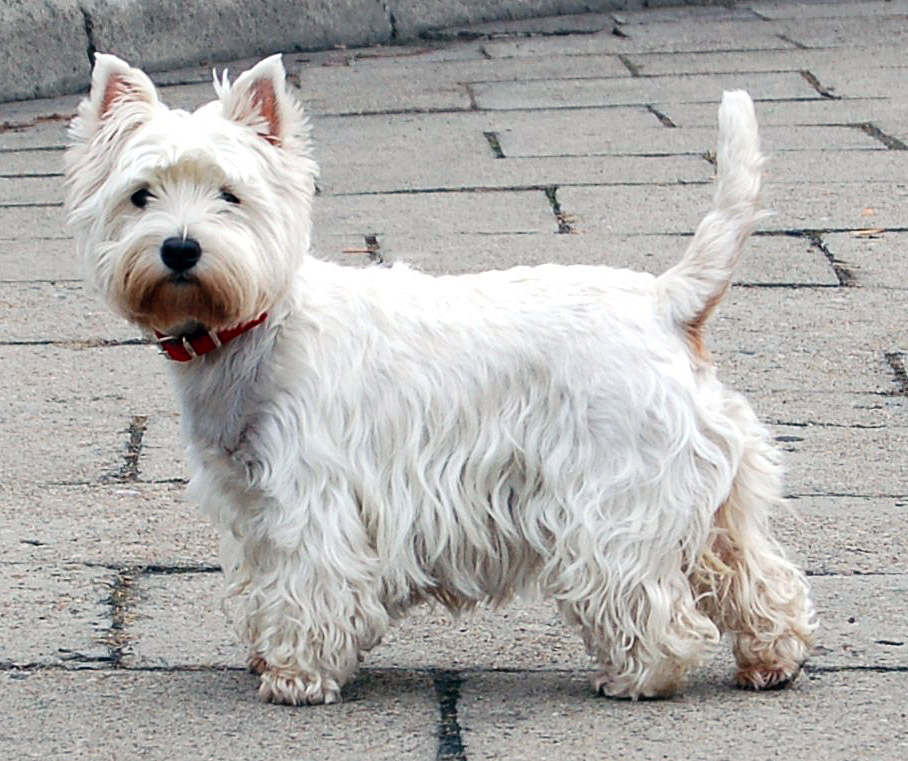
(306, 622)
(309, 583)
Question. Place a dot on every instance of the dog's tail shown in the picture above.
(694, 287)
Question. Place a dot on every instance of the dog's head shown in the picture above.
(187, 218)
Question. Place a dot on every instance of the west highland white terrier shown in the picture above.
(367, 439)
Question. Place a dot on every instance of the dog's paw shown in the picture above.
(606, 686)
(294, 689)
(256, 664)
(766, 678)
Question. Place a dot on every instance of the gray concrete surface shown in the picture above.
(47, 44)
(113, 641)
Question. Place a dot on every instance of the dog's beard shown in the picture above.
(214, 296)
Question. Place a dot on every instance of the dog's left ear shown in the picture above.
(259, 99)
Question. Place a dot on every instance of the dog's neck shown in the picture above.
(223, 392)
(218, 389)
(196, 341)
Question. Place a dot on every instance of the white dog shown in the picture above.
(365, 439)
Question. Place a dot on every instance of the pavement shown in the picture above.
(582, 139)
(46, 43)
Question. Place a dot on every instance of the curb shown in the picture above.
(49, 44)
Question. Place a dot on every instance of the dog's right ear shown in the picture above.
(115, 83)
(122, 98)
(117, 90)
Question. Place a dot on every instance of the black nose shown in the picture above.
(180, 254)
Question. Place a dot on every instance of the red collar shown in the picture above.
(185, 348)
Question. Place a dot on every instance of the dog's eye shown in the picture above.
(229, 197)
(140, 197)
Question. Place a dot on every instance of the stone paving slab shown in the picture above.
(324, 83)
(15, 114)
(834, 716)
(463, 155)
(53, 615)
(636, 210)
(818, 9)
(32, 222)
(769, 260)
(877, 260)
(35, 260)
(76, 447)
(23, 191)
(79, 313)
(819, 459)
(858, 80)
(861, 622)
(140, 524)
(815, 407)
(684, 37)
(160, 716)
(832, 167)
(572, 93)
(42, 135)
(749, 358)
(822, 459)
(893, 123)
(864, 462)
(824, 367)
(465, 159)
(126, 524)
(796, 113)
(445, 213)
(567, 24)
(846, 535)
(547, 137)
(788, 358)
(747, 61)
(834, 206)
(179, 622)
(603, 171)
(163, 459)
(442, 167)
(859, 31)
(592, 130)
(750, 319)
(662, 13)
(39, 162)
(82, 401)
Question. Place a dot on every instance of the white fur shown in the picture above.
(386, 436)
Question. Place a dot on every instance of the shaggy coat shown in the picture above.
(385, 437)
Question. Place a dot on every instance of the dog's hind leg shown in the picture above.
(643, 628)
(746, 584)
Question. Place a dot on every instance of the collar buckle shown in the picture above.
(187, 345)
